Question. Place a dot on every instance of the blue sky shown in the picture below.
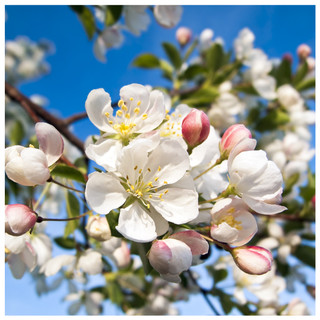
(75, 72)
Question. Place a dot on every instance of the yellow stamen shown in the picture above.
(156, 178)
(131, 99)
(31, 145)
(138, 103)
(120, 103)
(127, 115)
(144, 116)
(136, 110)
(119, 113)
(135, 168)
(107, 114)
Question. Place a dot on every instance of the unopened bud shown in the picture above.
(288, 57)
(233, 135)
(303, 51)
(183, 35)
(19, 219)
(98, 228)
(195, 128)
(252, 259)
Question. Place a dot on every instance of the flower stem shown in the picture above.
(63, 185)
(40, 219)
(215, 164)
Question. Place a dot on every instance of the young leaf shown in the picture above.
(173, 54)
(306, 254)
(283, 73)
(16, 133)
(66, 243)
(86, 18)
(73, 210)
(203, 96)
(307, 84)
(214, 57)
(146, 60)
(301, 73)
(192, 71)
(141, 249)
(64, 171)
(113, 14)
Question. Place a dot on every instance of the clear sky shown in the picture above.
(75, 72)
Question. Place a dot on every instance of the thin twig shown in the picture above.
(63, 185)
(40, 219)
(204, 293)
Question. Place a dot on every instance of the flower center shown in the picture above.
(125, 118)
(145, 190)
(230, 220)
(172, 127)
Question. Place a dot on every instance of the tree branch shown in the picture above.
(36, 112)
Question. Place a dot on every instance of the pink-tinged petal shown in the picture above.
(253, 259)
(19, 219)
(98, 103)
(232, 136)
(246, 144)
(193, 239)
(29, 256)
(104, 192)
(122, 255)
(160, 256)
(28, 167)
(50, 141)
(136, 224)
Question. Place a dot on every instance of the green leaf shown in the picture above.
(290, 182)
(203, 96)
(167, 69)
(283, 73)
(16, 133)
(301, 73)
(113, 14)
(308, 191)
(273, 120)
(114, 292)
(173, 54)
(112, 218)
(214, 57)
(307, 84)
(86, 18)
(64, 171)
(192, 71)
(73, 210)
(190, 50)
(306, 254)
(146, 60)
(66, 243)
(246, 88)
(142, 249)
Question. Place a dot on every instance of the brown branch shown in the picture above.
(75, 117)
(36, 112)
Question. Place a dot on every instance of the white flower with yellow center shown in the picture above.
(151, 186)
(140, 111)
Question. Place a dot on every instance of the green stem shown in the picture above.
(215, 164)
(63, 185)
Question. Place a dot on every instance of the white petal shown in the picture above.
(105, 152)
(134, 93)
(29, 256)
(172, 160)
(74, 308)
(99, 50)
(52, 266)
(29, 168)
(97, 104)
(266, 87)
(17, 266)
(178, 205)
(104, 192)
(90, 262)
(50, 141)
(262, 207)
(136, 224)
(42, 246)
(162, 225)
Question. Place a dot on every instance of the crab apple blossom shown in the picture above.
(98, 228)
(183, 35)
(19, 219)
(173, 255)
(252, 259)
(232, 223)
(140, 111)
(232, 136)
(150, 186)
(30, 166)
(195, 128)
(257, 180)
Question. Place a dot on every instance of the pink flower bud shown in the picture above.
(183, 35)
(195, 128)
(232, 137)
(288, 57)
(252, 259)
(303, 51)
(19, 219)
